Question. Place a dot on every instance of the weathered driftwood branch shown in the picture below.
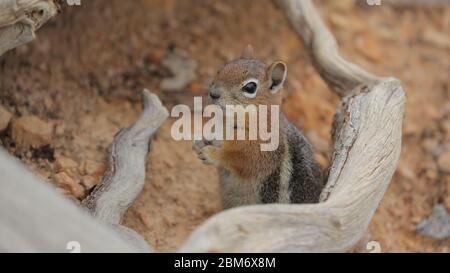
(341, 75)
(35, 218)
(367, 142)
(125, 176)
(19, 19)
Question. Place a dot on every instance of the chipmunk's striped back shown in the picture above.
(298, 178)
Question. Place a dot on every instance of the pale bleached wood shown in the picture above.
(34, 217)
(125, 176)
(341, 75)
(19, 19)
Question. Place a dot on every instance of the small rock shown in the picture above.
(89, 181)
(64, 163)
(431, 111)
(5, 118)
(430, 169)
(48, 102)
(411, 128)
(406, 172)
(438, 150)
(444, 162)
(155, 57)
(30, 130)
(60, 129)
(430, 144)
(438, 225)
(222, 8)
(183, 70)
(44, 173)
(66, 182)
(93, 168)
(431, 173)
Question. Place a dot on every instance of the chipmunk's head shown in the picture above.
(246, 81)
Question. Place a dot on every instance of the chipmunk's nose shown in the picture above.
(214, 93)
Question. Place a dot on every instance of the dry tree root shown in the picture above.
(341, 75)
(34, 217)
(125, 176)
(19, 19)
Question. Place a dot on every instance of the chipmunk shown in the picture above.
(248, 175)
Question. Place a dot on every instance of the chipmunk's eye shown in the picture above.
(250, 87)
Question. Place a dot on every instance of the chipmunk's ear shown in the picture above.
(247, 53)
(276, 74)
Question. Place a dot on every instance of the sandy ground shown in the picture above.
(84, 73)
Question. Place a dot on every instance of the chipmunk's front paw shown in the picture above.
(206, 150)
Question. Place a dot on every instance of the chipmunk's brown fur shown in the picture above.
(248, 175)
